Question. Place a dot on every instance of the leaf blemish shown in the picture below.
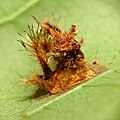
(97, 67)
(51, 45)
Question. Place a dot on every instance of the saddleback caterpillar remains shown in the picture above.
(47, 41)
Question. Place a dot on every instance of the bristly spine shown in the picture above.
(49, 40)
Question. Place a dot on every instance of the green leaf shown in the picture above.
(98, 98)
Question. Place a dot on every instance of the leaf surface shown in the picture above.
(98, 98)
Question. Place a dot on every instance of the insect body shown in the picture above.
(50, 41)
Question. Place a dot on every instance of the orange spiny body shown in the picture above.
(49, 41)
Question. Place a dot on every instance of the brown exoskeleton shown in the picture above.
(50, 41)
